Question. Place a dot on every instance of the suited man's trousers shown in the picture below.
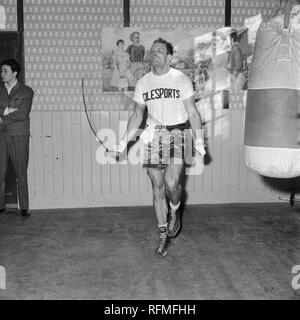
(17, 149)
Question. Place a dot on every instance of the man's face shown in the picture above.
(158, 54)
(121, 45)
(7, 74)
(136, 38)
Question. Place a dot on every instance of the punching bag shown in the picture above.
(272, 139)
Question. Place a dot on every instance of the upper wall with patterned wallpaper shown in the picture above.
(243, 9)
(62, 45)
(63, 41)
(174, 13)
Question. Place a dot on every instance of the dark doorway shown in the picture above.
(8, 44)
(12, 46)
(9, 48)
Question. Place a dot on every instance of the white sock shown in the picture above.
(162, 226)
(174, 207)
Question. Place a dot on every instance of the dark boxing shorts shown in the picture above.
(170, 145)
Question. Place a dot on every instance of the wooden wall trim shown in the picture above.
(227, 13)
(126, 9)
(20, 47)
(145, 199)
(64, 172)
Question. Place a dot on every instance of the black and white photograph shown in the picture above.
(149, 153)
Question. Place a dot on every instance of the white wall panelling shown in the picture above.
(62, 44)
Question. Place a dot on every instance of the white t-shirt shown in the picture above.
(164, 95)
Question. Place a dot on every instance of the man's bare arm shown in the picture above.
(196, 124)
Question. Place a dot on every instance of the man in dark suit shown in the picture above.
(15, 106)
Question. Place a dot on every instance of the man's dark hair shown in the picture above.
(14, 65)
(170, 48)
(120, 41)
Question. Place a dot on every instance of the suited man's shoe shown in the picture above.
(25, 213)
(2, 210)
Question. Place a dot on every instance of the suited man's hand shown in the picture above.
(11, 110)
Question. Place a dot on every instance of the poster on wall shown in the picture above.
(200, 53)
(217, 61)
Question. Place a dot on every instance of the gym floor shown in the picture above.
(233, 251)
